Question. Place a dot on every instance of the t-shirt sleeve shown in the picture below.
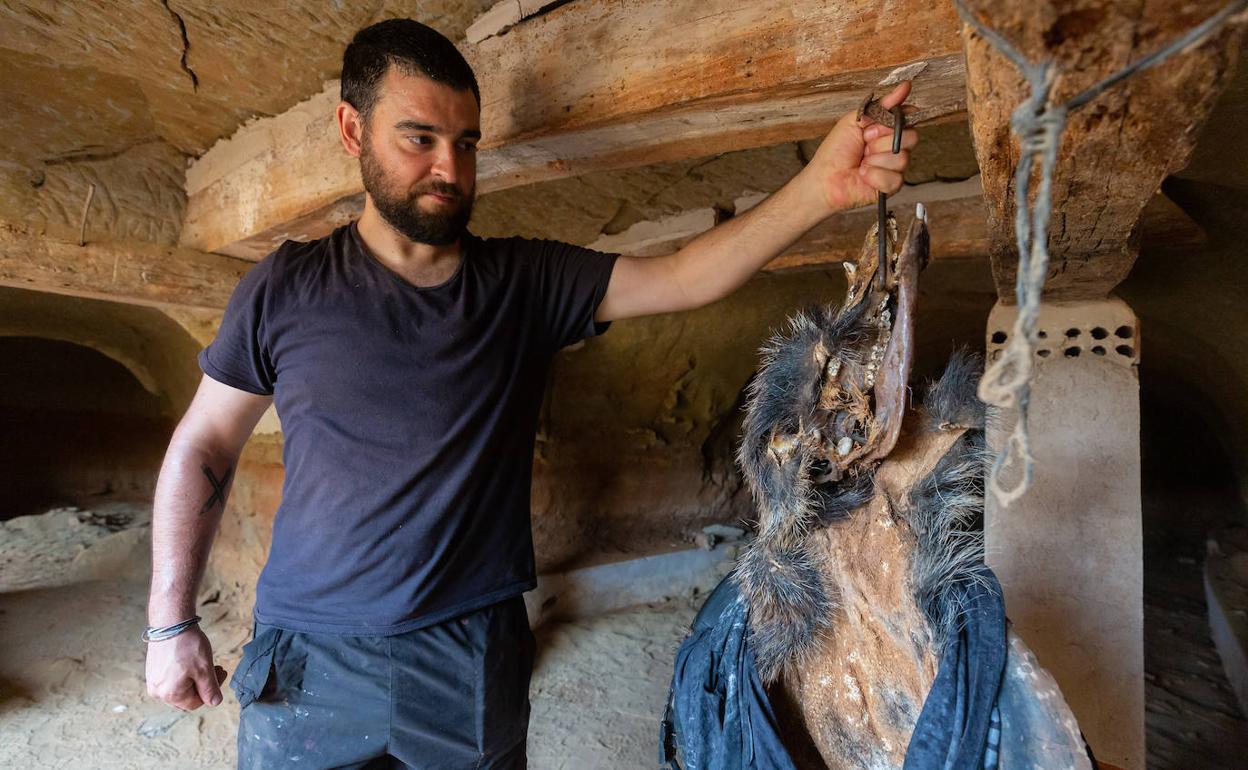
(239, 356)
(573, 280)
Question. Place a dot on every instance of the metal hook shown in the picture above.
(881, 206)
(899, 123)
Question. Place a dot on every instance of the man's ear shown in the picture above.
(350, 128)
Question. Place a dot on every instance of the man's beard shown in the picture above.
(401, 210)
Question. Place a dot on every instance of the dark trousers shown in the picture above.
(454, 695)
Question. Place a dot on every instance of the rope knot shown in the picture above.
(1038, 132)
(1038, 125)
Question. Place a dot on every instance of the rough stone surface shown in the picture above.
(159, 354)
(122, 94)
(138, 195)
(64, 546)
(944, 154)
(196, 71)
(201, 324)
(59, 111)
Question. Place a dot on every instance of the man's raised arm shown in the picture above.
(190, 497)
(852, 164)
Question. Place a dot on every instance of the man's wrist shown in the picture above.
(810, 197)
(161, 633)
(168, 610)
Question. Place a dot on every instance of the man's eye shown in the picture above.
(420, 139)
(467, 146)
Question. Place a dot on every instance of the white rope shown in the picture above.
(1039, 125)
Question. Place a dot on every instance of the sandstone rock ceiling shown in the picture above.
(121, 93)
(188, 73)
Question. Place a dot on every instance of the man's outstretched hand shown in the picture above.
(856, 160)
(180, 671)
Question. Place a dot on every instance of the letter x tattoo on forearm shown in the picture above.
(218, 488)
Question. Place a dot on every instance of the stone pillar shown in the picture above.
(1069, 553)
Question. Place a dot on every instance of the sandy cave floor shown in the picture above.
(72, 693)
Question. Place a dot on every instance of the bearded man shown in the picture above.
(407, 360)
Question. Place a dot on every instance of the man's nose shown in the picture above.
(444, 164)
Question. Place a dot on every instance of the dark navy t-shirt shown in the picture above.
(409, 417)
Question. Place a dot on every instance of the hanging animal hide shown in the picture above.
(858, 578)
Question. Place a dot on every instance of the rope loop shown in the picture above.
(1038, 123)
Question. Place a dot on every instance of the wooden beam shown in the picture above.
(959, 228)
(594, 85)
(954, 211)
(1115, 150)
(121, 271)
(502, 16)
(957, 213)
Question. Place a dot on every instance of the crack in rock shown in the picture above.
(186, 44)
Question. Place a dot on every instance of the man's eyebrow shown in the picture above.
(413, 125)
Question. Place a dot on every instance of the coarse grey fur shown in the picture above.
(951, 400)
(945, 510)
(782, 398)
(792, 602)
(945, 513)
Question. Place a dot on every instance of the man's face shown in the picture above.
(418, 157)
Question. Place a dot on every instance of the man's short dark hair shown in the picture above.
(409, 45)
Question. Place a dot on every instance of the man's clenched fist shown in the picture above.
(180, 671)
